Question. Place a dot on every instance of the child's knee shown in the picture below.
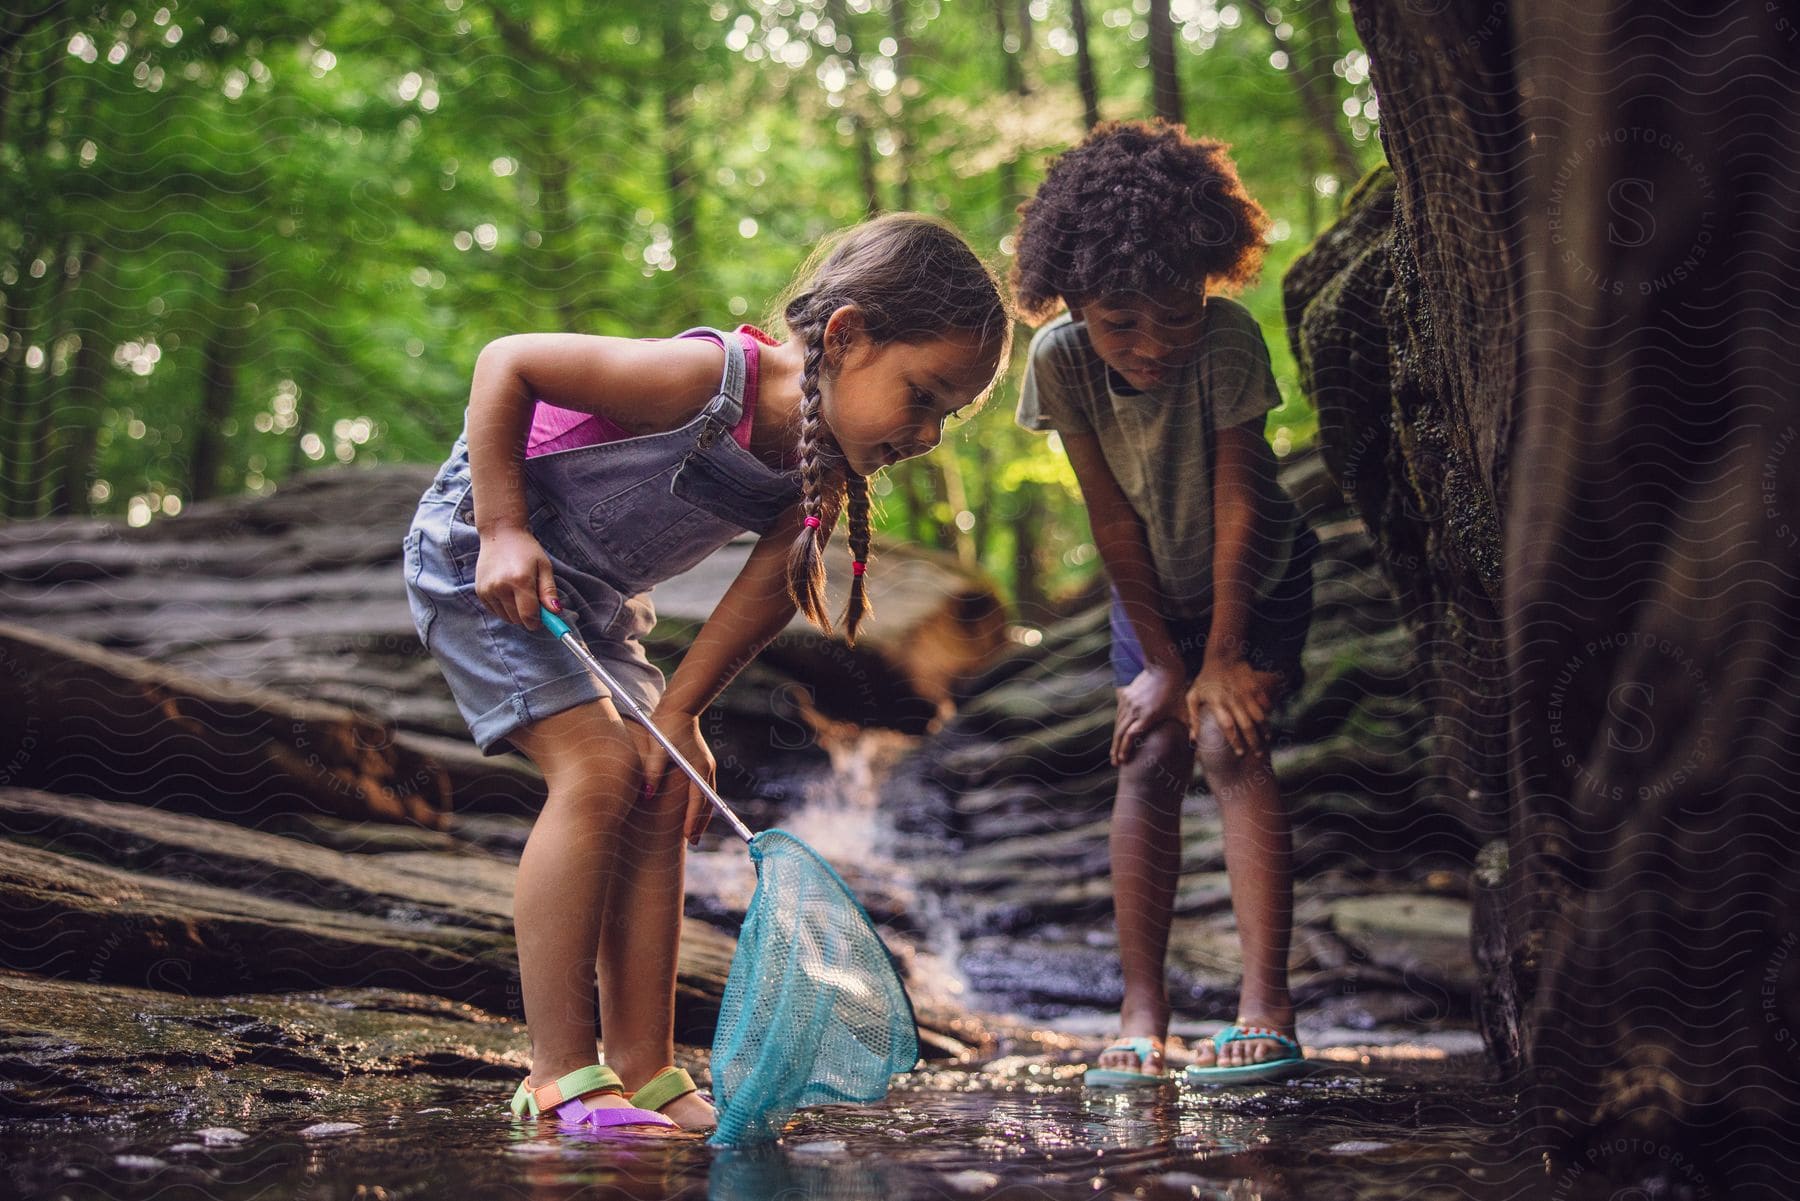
(598, 798)
(1165, 744)
(1213, 748)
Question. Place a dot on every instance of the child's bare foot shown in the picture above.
(1244, 1051)
(1119, 1058)
(1136, 1024)
(691, 1113)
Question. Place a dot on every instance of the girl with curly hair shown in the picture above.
(1157, 387)
(589, 470)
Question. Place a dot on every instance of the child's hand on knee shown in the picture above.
(1152, 698)
(683, 730)
(1239, 697)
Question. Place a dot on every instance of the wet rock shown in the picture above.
(149, 1055)
(76, 718)
(93, 890)
(1426, 936)
(299, 593)
(209, 907)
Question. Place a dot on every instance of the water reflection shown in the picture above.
(1021, 1128)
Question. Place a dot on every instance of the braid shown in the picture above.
(912, 279)
(820, 499)
(856, 489)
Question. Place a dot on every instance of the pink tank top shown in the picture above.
(554, 428)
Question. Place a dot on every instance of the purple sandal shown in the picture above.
(561, 1099)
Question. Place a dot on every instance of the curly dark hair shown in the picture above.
(1137, 207)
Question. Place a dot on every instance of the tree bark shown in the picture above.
(1028, 588)
(1571, 272)
(1656, 737)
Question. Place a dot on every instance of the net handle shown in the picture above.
(624, 700)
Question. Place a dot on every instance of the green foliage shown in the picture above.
(285, 230)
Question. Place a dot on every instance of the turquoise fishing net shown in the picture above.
(814, 1010)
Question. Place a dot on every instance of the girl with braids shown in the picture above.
(590, 469)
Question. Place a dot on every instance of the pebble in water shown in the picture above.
(216, 1136)
(321, 1129)
(972, 1181)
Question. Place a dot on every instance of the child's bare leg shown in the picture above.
(590, 765)
(1145, 842)
(1259, 858)
(640, 944)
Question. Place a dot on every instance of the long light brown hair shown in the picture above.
(913, 279)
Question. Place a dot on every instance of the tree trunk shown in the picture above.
(554, 267)
(906, 477)
(14, 27)
(1084, 65)
(81, 401)
(956, 494)
(24, 318)
(1656, 735)
(839, 15)
(1311, 52)
(1550, 277)
(1012, 72)
(1028, 583)
(677, 151)
(1165, 77)
(902, 122)
(25, 321)
(219, 381)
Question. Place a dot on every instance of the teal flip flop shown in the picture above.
(1281, 1068)
(1145, 1049)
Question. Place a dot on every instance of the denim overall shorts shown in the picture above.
(615, 519)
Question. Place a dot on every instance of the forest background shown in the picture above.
(243, 241)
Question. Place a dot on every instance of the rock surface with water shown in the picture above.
(1006, 812)
(314, 948)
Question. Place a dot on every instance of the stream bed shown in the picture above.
(1405, 1122)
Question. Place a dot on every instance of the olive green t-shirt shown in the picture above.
(1158, 443)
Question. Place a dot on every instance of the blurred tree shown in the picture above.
(238, 243)
(1165, 73)
(1084, 65)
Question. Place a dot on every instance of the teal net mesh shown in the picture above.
(814, 1010)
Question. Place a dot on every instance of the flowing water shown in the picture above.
(1391, 1112)
(1020, 1127)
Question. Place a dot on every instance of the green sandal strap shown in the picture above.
(1145, 1049)
(668, 1085)
(595, 1078)
(1237, 1034)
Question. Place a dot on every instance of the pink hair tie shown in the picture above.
(857, 566)
(812, 523)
